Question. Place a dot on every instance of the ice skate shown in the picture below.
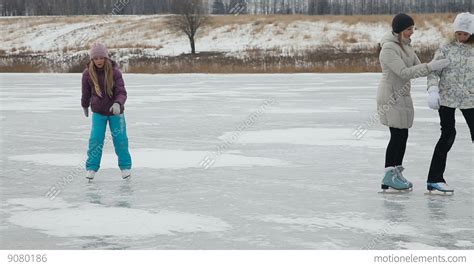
(90, 174)
(399, 170)
(126, 174)
(439, 188)
(393, 183)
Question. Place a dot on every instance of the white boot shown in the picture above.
(126, 173)
(90, 174)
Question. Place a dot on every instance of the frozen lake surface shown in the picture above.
(288, 172)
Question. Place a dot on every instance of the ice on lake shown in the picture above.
(225, 162)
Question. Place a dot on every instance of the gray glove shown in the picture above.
(86, 111)
(115, 109)
(437, 65)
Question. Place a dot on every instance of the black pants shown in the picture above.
(396, 147)
(445, 142)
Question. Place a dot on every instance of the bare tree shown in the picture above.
(190, 17)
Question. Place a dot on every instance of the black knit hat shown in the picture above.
(401, 22)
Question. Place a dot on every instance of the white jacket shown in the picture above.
(455, 82)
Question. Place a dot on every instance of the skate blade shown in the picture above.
(395, 191)
(439, 193)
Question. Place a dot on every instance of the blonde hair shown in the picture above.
(451, 38)
(108, 81)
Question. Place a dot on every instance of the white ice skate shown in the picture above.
(90, 174)
(126, 173)
(439, 188)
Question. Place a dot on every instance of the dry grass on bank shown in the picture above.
(420, 19)
(255, 61)
(156, 21)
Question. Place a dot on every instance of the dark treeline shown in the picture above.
(309, 7)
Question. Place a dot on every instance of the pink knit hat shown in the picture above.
(98, 50)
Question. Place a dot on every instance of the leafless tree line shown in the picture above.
(309, 7)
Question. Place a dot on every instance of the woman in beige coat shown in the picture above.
(394, 104)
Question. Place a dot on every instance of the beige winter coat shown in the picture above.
(394, 103)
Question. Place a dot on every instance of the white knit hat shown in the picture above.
(464, 22)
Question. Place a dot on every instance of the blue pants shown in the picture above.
(96, 141)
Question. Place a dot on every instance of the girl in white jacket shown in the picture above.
(452, 88)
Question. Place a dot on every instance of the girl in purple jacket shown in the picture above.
(104, 91)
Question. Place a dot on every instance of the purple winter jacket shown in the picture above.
(102, 104)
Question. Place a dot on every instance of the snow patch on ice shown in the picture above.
(416, 246)
(145, 124)
(457, 230)
(464, 244)
(168, 97)
(312, 136)
(38, 104)
(80, 127)
(219, 115)
(95, 220)
(39, 203)
(344, 221)
(152, 158)
(311, 111)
